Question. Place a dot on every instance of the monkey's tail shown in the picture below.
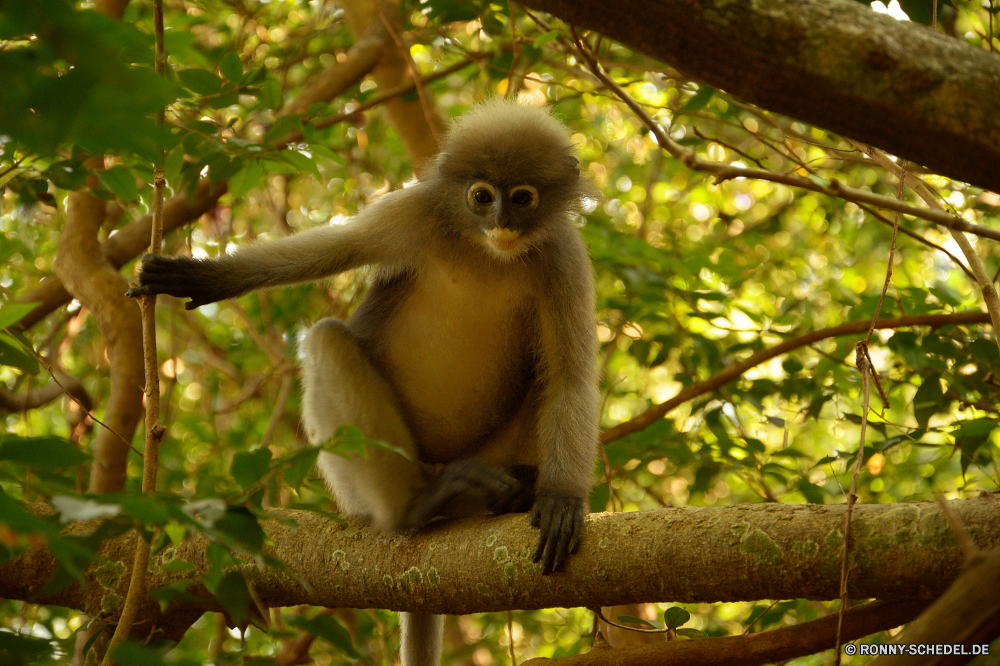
(420, 643)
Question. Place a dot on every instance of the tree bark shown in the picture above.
(832, 63)
(96, 283)
(691, 555)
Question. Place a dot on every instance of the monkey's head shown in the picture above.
(506, 176)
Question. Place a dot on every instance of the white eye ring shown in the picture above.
(517, 198)
(481, 194)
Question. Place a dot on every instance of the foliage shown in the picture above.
(693, 276)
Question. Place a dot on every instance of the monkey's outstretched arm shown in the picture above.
(381, 233)
(569, 410)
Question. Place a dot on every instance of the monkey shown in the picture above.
(474, 349)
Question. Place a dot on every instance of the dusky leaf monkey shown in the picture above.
(474, 349)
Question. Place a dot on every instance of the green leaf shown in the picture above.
(134, 653)
(178, 565)
(121, 182)
(675, 617)
(812, 492)
(326, 153)
(928, 400)
(349, 439)
(304, 462)
(232, 593)
(200, 81)
(249, 467)
(301, 162)
(970, 436)
(66, 174)
(270, 93)
(18, 649)
(11, 313)
(241, 528)
(328, 628)
(246, 179)
(546, 38)
(14, 355)
(282, 126)
(48, 452)
(699, 99)
(231, 67)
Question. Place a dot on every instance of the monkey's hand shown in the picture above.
(560, 522)
(521, 497)
(472, 480)
(184, 277)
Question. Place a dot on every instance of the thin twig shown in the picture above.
(510, 635)
(983, 280)
(136, 595)
(390, 94)
(864, 367)
(48, 368)
(833, 187)
(969, 550)
(917, 237)
(512, 85)
(892, 256)
(414, 75)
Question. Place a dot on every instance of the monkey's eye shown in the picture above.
(481, 194)
(524, 196)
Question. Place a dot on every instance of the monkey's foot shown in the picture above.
(480, 480)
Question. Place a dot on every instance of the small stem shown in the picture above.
(136, 596)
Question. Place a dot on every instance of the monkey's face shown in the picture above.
(507, 177)
(505, 215)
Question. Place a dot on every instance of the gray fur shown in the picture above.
(475, 345)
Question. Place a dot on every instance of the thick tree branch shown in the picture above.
(409, 117)
(97, 284)
(968, 613)
(762, 551)
(832, 63)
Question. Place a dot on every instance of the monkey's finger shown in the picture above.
(565, 534)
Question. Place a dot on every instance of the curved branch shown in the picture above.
(13, 402)
(735, 370)
(96, 283)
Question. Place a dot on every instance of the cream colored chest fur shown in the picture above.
(458, 353)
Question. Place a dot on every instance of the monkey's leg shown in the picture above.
(341, 387)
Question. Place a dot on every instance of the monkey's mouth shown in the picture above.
(505, 240)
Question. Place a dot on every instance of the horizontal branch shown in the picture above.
(835, 64)
(736, 370)
(692, 554)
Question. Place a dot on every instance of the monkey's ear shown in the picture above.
(441, 158)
